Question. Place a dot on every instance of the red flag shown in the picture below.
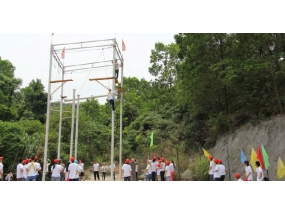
(259, 157)
(63, 53)
(123, 46)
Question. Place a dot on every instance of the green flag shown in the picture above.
(265, 157)
(151, 140)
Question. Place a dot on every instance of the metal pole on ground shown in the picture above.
(72, 124)
(121, 121)
(60, 118)
(76, 129)
(47, 117)
(113, 116)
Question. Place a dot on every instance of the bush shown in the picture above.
(199, 169)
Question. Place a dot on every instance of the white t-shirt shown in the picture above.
(259, 170)
(32, 168)
(39, 167)
(114, 166)
(171, 167)
(167, 171)
(1, 167)
(249, 170)
(212, 165)
(153, 166)
(222, 169)
(240, 179)
(20, 170)
(158, 170)
(82, 167)
(162, 166)
(96, 167)
(25, 171)
(127, 170)
(137, 167)
(111, 95)
(56, 170)
(217, 174)
(103, 169)
(148, 167)
(47, 166)
(73, 169)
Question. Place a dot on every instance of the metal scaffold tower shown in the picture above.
(55, 49)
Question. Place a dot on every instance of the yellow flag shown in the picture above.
(207, 154)
(253, 159)
(280, 169)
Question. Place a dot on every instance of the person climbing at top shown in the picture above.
(111, 97)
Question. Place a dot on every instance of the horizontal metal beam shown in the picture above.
(98, 96)
(83, 42)
(87, 68)
(87, 63)
(76, 48)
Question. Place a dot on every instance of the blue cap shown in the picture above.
(76, 161)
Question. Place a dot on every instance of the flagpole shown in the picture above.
(229, 163)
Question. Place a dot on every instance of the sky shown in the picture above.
(29, 53)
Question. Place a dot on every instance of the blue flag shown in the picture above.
(242, 157)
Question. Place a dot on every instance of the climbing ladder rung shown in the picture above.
(58, 81)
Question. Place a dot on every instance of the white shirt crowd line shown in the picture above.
(217, 171)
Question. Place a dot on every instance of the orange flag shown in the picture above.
(63, 53)
(259, 157)
(123, 46)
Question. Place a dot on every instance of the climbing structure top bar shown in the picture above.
(83, 42)
(103, 78)
(57, 81)
(75, 48)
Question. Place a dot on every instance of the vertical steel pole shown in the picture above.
(60, 118)
(76, 129)
(229, 163)
(47, 117)
(72, 124)
(113, 115)
(121, 120)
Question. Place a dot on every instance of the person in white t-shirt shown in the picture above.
(248, 171)
(82, 172)
(211, 168)
(162, 166)
(104, 169)
(79, 170)
(222, 170)
(73, 170)
(56, 169)
(217, 171)
(111, 97)
(25, 163)
(1, 169)
(167, 171)
(259, 171)
(32, 170)
(172, 168)
(39, 167)
(153, 169)
(158, 166)
(137, 168)
(147, 170)
(127, 170)
(96, 170)
(19, 174)
(237, 176)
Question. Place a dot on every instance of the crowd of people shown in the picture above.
(217, 171)
(156, 169)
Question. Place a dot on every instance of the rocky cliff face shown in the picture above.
(271, 134)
